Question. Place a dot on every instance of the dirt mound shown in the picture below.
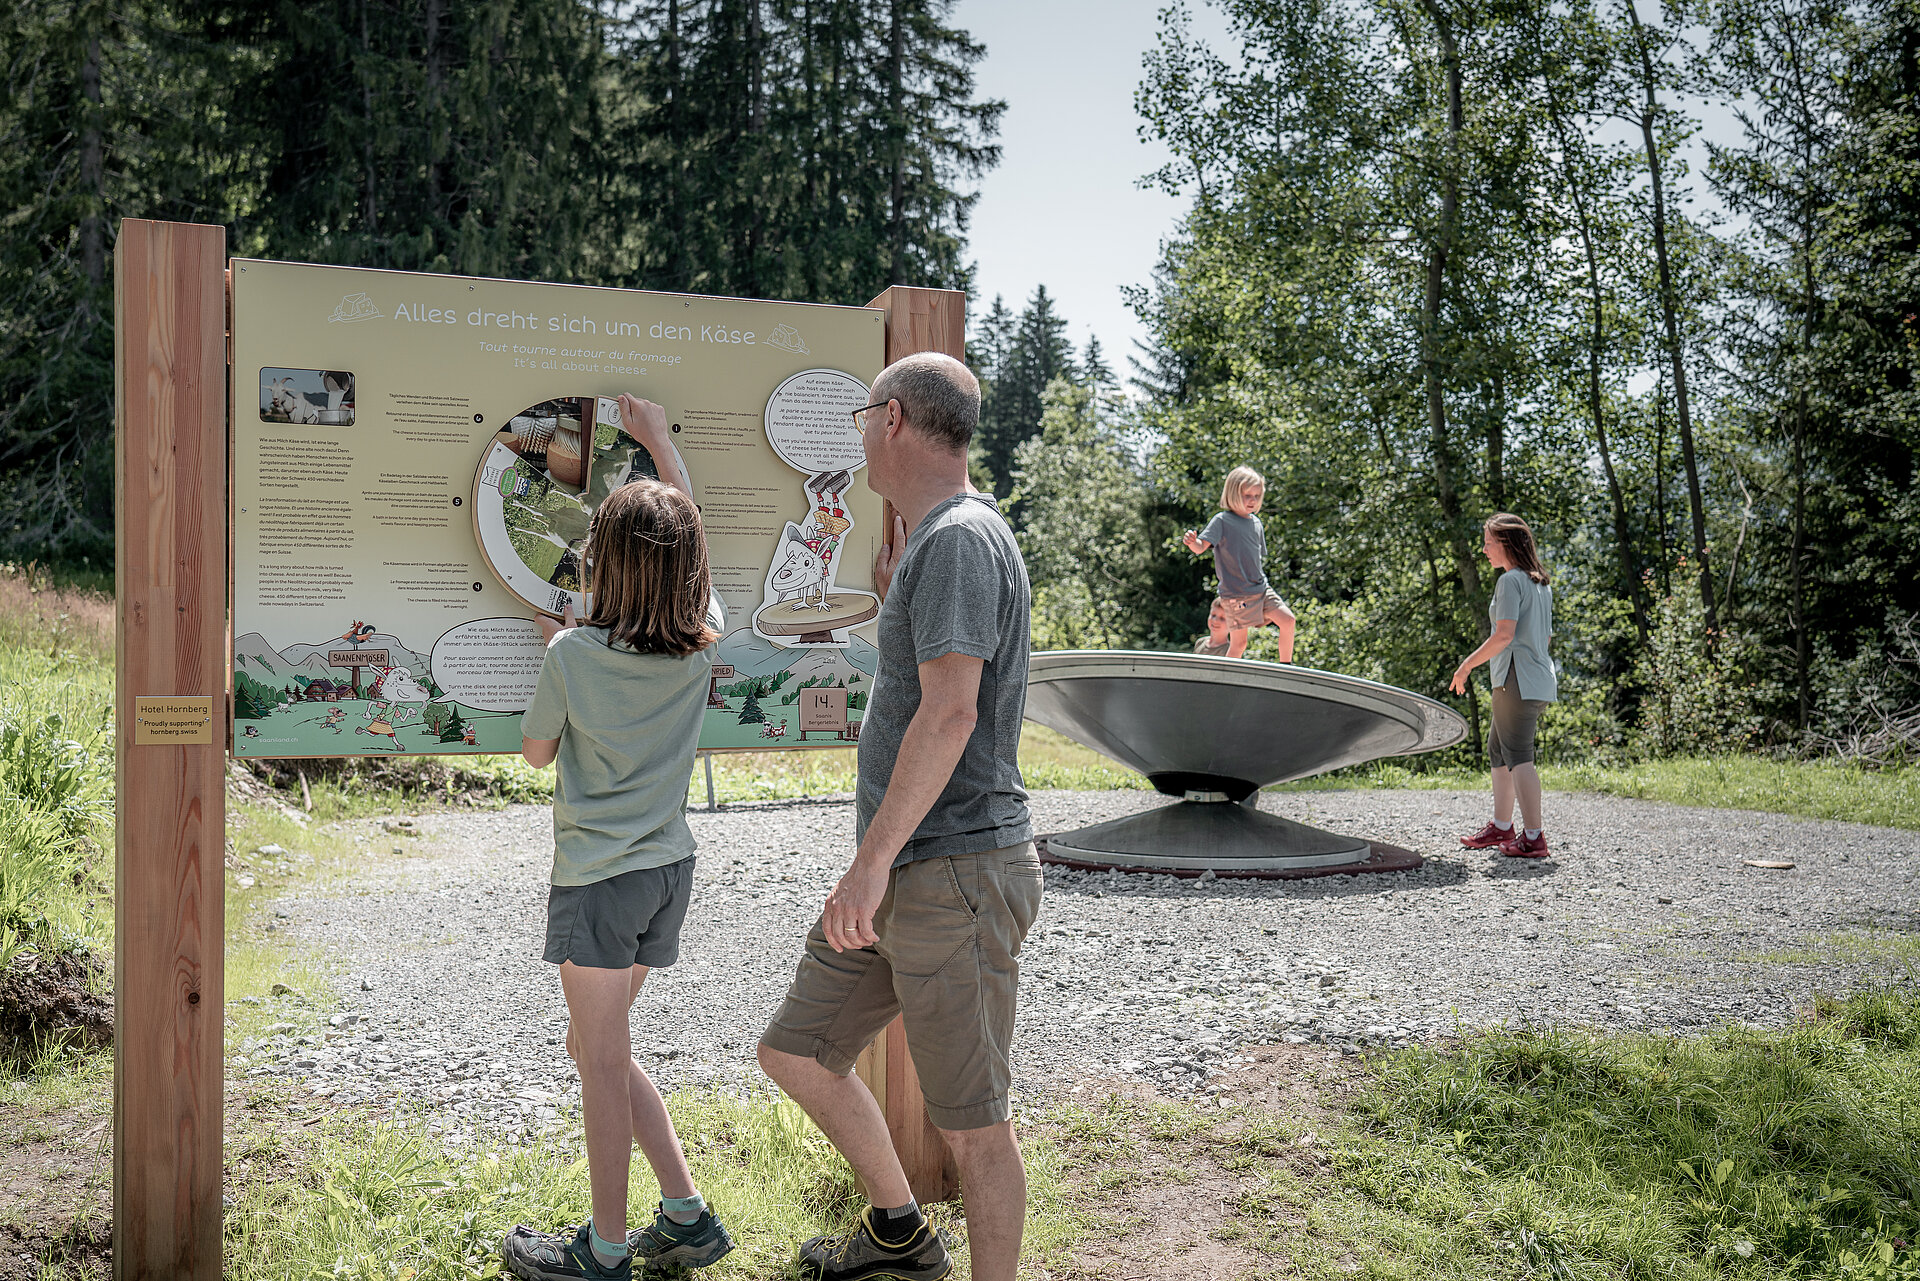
(45, 996)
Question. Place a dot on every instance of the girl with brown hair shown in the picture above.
(1523, 684)
(619, 705)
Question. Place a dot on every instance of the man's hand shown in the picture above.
(550, 629)
(888, 559)
(847, 919)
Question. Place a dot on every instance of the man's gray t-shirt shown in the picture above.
(960, 588)
(1530, 606)
(1239, 553)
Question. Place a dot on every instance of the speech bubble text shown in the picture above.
(810, 421)
(490, 664)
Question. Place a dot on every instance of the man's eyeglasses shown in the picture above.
(860, 415)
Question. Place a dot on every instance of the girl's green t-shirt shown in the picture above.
(628, 724)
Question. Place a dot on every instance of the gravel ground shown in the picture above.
(1646, 918)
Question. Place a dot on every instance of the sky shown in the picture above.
(1064, 207)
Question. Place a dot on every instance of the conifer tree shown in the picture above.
(1035, 352)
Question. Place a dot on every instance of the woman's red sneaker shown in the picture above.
(1520, 845)
(1488, 837)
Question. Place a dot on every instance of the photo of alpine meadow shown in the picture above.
(1384, 740)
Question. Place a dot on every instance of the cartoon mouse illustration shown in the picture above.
(398, 685)
(336, 720)
(802, 573)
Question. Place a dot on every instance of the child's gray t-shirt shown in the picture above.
(628, 724)
(960, 588)
(1239, 553)
(1530, 606)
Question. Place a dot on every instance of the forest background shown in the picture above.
(1440, 260)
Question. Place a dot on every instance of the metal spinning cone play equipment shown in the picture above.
(1213, 732)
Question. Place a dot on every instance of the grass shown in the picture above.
(1805, 789)
(1890, 949)
(1770, 1155)
(1738, 1153)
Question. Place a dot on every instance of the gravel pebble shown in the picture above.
(1646, 918)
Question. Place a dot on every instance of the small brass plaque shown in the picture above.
(172, 721)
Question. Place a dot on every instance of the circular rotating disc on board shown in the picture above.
(538, 483)
(813, 625)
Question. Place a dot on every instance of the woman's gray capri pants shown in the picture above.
(1515, 720)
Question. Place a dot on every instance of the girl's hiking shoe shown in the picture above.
(558, 1256)
(1520, 846)
(1489, 836)
(860, 1256)
(664, 1244)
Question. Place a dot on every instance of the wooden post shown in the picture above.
(917, 320)
(170, 577)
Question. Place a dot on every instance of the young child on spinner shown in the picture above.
(618, 705)
(1239, 545)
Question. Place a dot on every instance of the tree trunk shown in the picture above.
(1622, 531)
(1649, 114)
(1497, 445)
(677, 256)
(432, 14)
(370, 208)
(1660, 484)
(1431, 356)
(897, 141)
(93, 227)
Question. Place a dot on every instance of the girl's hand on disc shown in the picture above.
(642, 419)
(549, 628)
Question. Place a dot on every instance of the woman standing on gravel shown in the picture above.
(1523, 684)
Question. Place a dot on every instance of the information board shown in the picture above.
(416, 482)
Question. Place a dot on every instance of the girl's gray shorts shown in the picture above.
(630, 919)
(1515, 721)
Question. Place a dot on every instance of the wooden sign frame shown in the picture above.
(173, 561)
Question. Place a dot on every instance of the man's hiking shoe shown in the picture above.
(860, 1256)
(1520, 846)
(664, 1245)
(1488, 837)
(558, 1256)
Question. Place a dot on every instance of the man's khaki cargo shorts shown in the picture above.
(948, 959)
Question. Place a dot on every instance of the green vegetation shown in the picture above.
(1555, 1155)
(1805, 789)
(728, 150)
(1739, 1153)
(364, 1198)
(56, 762)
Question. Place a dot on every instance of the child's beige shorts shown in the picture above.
(948, 959)
(1235, 612)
